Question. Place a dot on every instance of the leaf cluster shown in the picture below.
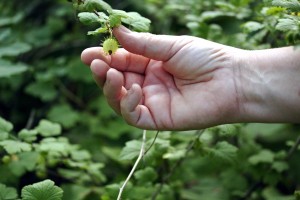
(99, 12)
(56, 125)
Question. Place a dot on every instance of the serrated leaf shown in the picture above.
(14, 49)
(224, 151)
(89, 18)
(292, 5)
(131, 150)
(37, 89)
(45, 190)
(287, 24)
(91, 5)
(8, 69)
(95, 172)
(7, 193)
(56, 147)
(120, 13)
(5, 126)
(13, 147)
(146, 175)
(28, 135)
(252, 26)
(3, 135)
(175, 154)
(98, 31)
(280, 166)
(264, 156)
(80, 155)
(114, 21)
(275, 10)
(64, 115)
(47, 128)
(137, 22)
(22, 162)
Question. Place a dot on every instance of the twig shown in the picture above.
(142, 151)
(178, 163)
(70, 95)
(293, 148)
(152, 143)
(30, 119)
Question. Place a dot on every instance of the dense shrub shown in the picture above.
(55, 123)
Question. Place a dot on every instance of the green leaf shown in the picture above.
(45, 190)
(13, 147)
(280, 166)
(264, 156)
(8, 69)
(287, 24)
(175, 154)
(89, 18)
(22, 162)
(14, 49)
(252, 26)
(56, 147)
(80, 155)
(297, 194)
(37, 89)
(98, 31)
(3, 135)
(47, 128)
(114, 21)
(131, 150)
(292, 5)
(64, 115)
(137, 22)
(7, 193)
(76, 192)
(95, 172)
(146, 175)
(5, 128)
(28, 135)
(91, 5)
(224, 151)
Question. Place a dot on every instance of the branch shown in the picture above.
(293, 149)
(142, 151)
(30, 119)
(178, 163)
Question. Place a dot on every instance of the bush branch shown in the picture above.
(142, 151)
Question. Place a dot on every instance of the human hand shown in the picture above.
(168, 82)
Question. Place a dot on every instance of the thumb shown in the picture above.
(158, 47)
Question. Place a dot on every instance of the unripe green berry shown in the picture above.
(110, 46)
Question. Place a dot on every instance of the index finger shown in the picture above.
(121, 60)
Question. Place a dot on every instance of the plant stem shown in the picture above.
(178, 163)
(142, 151)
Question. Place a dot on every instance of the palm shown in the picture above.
(177, 97)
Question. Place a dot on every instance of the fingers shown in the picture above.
(135, 113)
(99, 69)
(122, 60)
(113, 89)
(90, 54)
(158, 47)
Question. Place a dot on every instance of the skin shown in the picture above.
(181, 82)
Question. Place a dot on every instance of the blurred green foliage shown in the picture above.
(55, 123)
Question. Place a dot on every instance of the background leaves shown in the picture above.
(55, 124)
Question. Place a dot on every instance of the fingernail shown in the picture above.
(130, 91)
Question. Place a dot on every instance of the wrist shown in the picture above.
(268, 85)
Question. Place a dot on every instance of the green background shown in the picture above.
(63, 129)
